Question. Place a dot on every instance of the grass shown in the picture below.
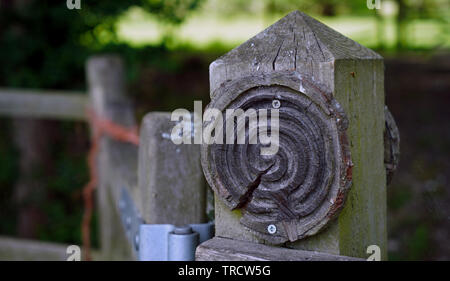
(201, 30)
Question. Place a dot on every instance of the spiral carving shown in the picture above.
(296, 191)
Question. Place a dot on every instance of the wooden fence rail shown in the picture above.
(13, 249)
(41, 104)
(168, 187)
(50, 104)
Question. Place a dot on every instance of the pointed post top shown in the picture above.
(292, 43)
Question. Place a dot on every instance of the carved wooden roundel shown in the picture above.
(297, 191)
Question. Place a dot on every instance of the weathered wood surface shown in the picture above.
(171, 181)
(13, 249)
(391, 145)
(117, 161)
(297, 42)
(302, 54)
(29, 250)
(299, 189)
(224, 249)
(363, 219)
(43, 104)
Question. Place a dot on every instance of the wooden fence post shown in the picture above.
(117, 161)
(171, 182)
(165, 181)
(325, 189)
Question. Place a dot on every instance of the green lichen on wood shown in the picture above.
(363, 219)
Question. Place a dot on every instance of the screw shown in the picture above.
(276, 104)
(136, 242)
(272, 229)
(128, 222)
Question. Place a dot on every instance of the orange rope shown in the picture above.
(100, 127)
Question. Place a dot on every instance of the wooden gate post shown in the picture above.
(171, 183)
(117, 161)
(325, 188)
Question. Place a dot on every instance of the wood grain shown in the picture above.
(295, 42)
(302, 187)
(223, 249)
(13, 249)
(171, 182)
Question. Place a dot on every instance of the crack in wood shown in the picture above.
(251, 187)
(276, 56)
(318, 45)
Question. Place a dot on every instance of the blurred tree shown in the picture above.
(40, 42)
(401, 24)
(410, 10)
(321, 7)
(171, 11)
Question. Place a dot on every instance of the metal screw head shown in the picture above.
(136, 242)
(272, 229)
(128, 222)
(276, 104)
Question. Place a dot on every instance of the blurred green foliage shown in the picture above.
(171, 11)
(43, 44)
